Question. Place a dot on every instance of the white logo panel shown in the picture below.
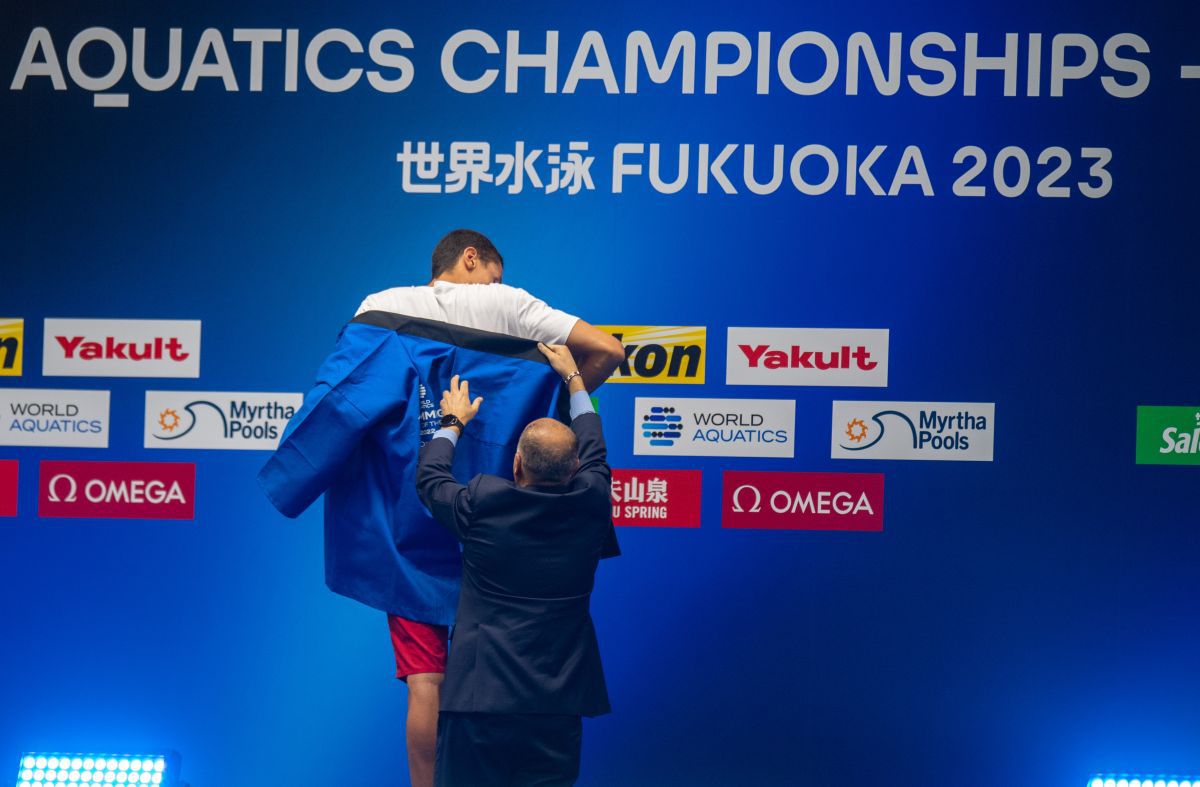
(955, 431)
(807, 356)
(714, 427)
(38, 416)
(217, 419)
(121, 348)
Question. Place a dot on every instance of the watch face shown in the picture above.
(450, 420)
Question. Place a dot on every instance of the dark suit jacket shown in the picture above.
(523, 639)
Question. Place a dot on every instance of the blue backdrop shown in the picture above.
(1025, 621)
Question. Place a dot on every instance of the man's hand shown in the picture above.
(560, 358)
(457, 401)
(561, 361)
(597, 353)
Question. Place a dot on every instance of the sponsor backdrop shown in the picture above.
(906, 435)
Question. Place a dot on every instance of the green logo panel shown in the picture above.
(1168, 435)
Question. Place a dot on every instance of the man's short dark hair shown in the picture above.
(449, 248)
(548, 461)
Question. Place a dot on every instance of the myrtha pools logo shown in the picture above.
(913, 430)
(189, 419)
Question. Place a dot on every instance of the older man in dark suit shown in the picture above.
(524, 665)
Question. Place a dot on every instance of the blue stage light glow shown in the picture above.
(106, 770)
(1140, 780)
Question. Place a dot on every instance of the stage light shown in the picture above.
(37, 769)
(1141, 780)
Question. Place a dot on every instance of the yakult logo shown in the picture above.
(802, 501)
(807, 356)
(117, 490)
(121, 348)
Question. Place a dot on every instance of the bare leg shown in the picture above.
(422, 726)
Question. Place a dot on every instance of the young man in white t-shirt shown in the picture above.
(466, 290)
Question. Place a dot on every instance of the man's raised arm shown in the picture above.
(593, 454)
(593, 457)
(448, 500)
(598, 354)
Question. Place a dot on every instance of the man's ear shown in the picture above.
(517, 466)
(470, 258)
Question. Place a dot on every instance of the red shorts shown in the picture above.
(419, 647)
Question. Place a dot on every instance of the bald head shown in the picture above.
(547, 453)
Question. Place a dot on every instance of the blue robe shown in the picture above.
(356, 439)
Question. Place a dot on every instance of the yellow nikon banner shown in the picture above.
(660, 354)
(12, 340)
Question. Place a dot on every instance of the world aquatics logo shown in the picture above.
(661, 426)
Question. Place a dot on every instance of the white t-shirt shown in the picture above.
(487, 307)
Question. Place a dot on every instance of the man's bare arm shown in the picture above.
(597, 353)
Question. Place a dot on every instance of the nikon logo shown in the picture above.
(12, 333)
(657, 354)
